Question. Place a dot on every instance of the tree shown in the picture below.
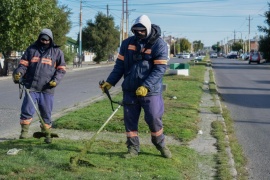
(101, 37)
(216, 47)
(264, 40)
(22, 20)
(264, 46)
(197, 46)
(237, 46)
(184, 45)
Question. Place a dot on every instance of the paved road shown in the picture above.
(246, 92)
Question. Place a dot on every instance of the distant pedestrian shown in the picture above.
(142, 62)
(41, 68)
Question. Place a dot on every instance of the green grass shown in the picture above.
(41, 161)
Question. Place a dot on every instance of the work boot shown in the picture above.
(132, 152)
(48, 139)
(47, 131)
(24, 131)
(165, 152)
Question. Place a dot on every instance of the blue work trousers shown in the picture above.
(43, 102)
(153, 107)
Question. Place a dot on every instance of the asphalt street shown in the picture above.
(245, 91)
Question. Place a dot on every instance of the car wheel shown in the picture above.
(248, 62)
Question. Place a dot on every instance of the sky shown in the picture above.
(210, 21)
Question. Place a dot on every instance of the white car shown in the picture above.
(199, 58)
(245, 56)
(186, 55)
(213, 55)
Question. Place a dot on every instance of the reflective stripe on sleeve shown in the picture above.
(24, 62)
(160, 61)
(61, 67)
(120, 57)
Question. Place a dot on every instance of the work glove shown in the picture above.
(105, 85)
(16, 77)
(52, 83)
(141, 91)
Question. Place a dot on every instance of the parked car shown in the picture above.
(180, 55)
(232, 55)
(199, 58)
(186, 55)
(255, 57)
(213, 55)
(245, 56)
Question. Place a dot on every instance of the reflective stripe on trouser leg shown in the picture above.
(25, 121)
(133, 141)
(154, 108)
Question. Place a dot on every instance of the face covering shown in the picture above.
(138, 35)
(44, 46)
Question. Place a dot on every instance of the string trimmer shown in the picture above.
(36, 134)
(78, 160)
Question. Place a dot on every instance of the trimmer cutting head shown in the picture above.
(39, 135)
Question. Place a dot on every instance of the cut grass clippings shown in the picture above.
(42, 161)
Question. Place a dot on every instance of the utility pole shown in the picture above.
(127, 19)
(234, 36)
(249, 33)
(80, 38)
(107, 10)
(124, 22)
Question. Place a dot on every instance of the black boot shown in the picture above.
(47, 131)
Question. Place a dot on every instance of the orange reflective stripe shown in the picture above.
(148, 51)
(160, 61)
(47, 126)
(35, 59)
(120, 57)
(132, 134)
(62, 67)
(24, 62)
(158, 133)
(46, 61)
(26, 121)
(132, 47)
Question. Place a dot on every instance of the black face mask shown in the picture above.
(43, 45)
(138, 35)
